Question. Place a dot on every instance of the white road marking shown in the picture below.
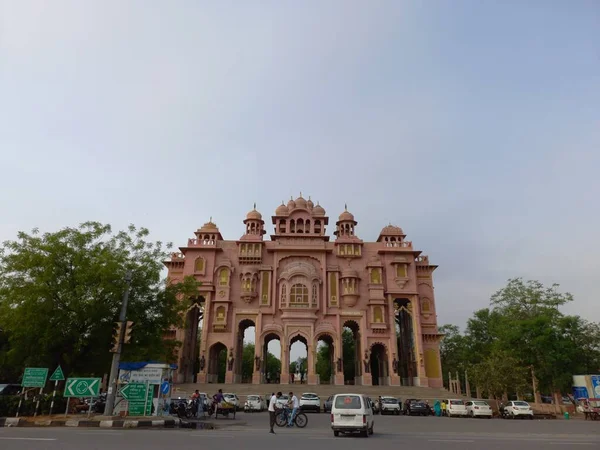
(450, 440)
(104, 433)
(573, 443)
(26, 439)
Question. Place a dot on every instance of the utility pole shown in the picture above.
(114, 368)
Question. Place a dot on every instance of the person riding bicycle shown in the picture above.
(294, 404)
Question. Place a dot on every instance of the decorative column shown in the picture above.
(230, 366)
(284, 378)
(258, 368)
(202, 375)
(311, 376)
(338, 368)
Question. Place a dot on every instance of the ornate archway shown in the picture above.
(243, 374)
(407, 364)
(352, 353)
(217, 361)
(326, 364)
(379, 365)
(190, 350)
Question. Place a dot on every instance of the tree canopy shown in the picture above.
(523, 330)
(61, 292)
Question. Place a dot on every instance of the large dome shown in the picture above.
(301, 203)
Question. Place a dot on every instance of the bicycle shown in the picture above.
(283, 417)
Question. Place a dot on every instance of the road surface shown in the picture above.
(415, 433)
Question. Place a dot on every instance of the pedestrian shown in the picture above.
(437, 407)
(443, 407)
(302, 377)
(294, 404)
(272, 411)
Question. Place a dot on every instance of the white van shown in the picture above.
(352, 413)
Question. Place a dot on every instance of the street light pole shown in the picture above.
(114, 368)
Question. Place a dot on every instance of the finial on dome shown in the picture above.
(254, 205)
(210, 218)
(346, 206)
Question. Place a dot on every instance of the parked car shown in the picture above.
(479, 408)
(254, 403)
(9, 389)
(416, 408)
(352, 413)
(456, 408)
(283, 400)
(518, 408)
(390, 405)
(327, 404)
(310, 402)
(233, 399)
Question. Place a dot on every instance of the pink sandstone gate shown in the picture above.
(301, 286)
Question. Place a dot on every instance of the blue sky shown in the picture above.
(471, 124)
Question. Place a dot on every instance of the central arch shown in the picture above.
(298, 369)
(270, 366)
(190, 351)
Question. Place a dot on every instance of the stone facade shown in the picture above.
(302, 286)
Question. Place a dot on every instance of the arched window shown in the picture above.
(401, 271)
(199, 266)
(221, 314)
(307, 226)
(377, 315)
(425, 306)
(314, 294)
(300, 226)
(318, 226)
(292, 226)
(376, 276)
(224, 277)
(299, 295)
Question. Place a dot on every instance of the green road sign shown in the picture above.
(134, 392)
(34, 377)
(139, 396)
(57, 375)
(82, 387)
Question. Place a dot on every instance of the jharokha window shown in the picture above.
(299, 295)
(224, 277)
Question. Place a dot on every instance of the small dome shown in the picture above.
(282, 210)
(391, 230)
(254, 215)
(301, 203)
(310, 203)
(346, 216)
(318, 210)
(210, 225)
(291, 204)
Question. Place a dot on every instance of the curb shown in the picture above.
(17, 422)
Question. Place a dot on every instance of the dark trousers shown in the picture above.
(271, 419)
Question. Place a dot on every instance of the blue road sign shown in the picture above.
(165, 387)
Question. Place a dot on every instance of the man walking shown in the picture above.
(294, 404)
(272, 411)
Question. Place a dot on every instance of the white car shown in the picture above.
(254, 403)
(389, 405)
(352, 413)
(310, 402)
(456, 408)
(232, 399)
(479, 408)
(518, 408)
(282, 401)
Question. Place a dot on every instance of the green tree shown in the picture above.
(247, 362)
(453, 351)
(273, 367)
(60, 294)
(323, 366)
(348, 352)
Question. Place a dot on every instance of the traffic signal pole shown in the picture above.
(114, 368)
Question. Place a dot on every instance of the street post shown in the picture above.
(114, 368)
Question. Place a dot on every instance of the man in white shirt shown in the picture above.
(294, 404)
(272, 412)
